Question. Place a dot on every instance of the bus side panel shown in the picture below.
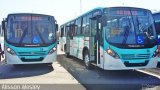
(102, 49)
(84, 42)
(80, 47)
(62, 42)
(71, 47)
(77, 45)
(102, 57)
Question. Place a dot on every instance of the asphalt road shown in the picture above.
(73, 72)
(10, 71)
(98, 79)
(48, 77)
(53, 77)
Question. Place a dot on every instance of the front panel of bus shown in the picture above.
(130, 39)
(30, 39)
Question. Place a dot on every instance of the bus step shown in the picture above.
(95, 64)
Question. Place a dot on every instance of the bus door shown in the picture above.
(72, 33)
(67, 47)
(94, 41)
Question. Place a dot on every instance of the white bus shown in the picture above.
(114, 38)
(30, 38)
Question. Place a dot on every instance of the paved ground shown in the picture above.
(70, 73)
(36, 74)
(53, 76)
(108, 80)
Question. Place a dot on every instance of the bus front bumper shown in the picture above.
(111, 63)
(14, 59)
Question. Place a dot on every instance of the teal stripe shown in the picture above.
(26, 52)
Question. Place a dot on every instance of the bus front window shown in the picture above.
(30, 31)
(130, 27)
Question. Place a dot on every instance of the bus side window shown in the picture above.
(68, 31)
(101, 36)
(84, 25)
(88, 28)
(64, 31)
(78, 30)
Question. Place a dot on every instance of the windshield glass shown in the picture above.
(31, 30)
(129, 26)
(157, 22)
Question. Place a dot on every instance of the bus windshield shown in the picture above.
(157, 22)
(130, 26)
(30, 30)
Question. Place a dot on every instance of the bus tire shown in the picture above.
(65, 48)
(86, 60)
(67, 55)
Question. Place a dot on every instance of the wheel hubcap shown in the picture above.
(86, 58)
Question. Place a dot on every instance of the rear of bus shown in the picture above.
(30, 39)
(130, 39)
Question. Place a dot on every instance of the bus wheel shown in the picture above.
(68, 55)
(64, 48)
(86, 60)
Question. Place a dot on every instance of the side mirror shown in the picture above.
(1, 31)
(158, 41)
(3, 24)
(56, 27)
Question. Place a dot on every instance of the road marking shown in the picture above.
(155, 75)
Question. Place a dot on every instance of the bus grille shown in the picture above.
(32, 60)
(134, 56)
(127, 64)
(31, 53)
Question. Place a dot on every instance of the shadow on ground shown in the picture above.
(98, 79)
(20, 71)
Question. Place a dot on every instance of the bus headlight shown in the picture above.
(9, 50)
(112, 53)
(52, 50)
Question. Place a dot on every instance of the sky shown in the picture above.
(65, 10)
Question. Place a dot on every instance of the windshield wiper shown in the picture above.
(140, 27)
(40, 35)
(126, 32)
(23, 35)
(26, 31)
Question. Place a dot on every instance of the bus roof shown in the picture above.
(29, 14)
(98, 8)
(128, 7)
(101, 8)
(155, 13)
